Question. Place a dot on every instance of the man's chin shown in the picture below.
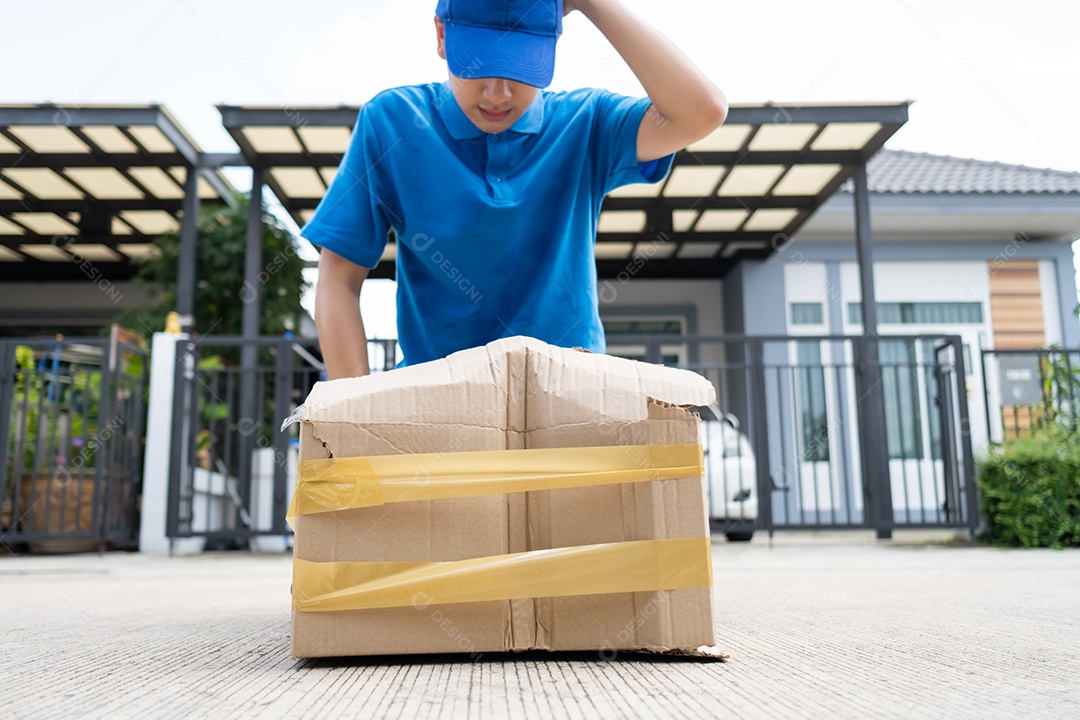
(489, 126)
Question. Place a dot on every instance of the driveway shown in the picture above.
(816, 626)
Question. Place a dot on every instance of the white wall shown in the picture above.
(806, 282)
(937, 281)
(1050, 302)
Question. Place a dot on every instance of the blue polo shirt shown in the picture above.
(495, 232)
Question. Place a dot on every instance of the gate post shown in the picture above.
(103, 466)
(283, 385)
(971, 495)
(871, 402)
(250, 389)
(758, 408)
(873, 436)
(158, 480)
(8, 368)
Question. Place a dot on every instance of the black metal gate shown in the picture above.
(72, 413)
(821, 432)
(232, 469)
(811, 432)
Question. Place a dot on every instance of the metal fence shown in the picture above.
(810, 432)
(830, 432)
(232, 469)
(72, 414)
(1030, 389)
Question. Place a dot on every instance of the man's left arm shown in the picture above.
(686, 105)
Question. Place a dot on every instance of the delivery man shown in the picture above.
(493, 186)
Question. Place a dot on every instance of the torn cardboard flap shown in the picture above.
(514, 393)
(562, 386)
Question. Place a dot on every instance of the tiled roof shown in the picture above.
(901, 171)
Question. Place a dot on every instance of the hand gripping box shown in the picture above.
(514, 496)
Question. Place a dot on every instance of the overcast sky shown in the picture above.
(991, 80)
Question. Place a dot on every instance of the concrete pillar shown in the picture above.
(156, 461)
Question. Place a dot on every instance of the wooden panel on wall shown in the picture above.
(1017, 420)
(1016, 304)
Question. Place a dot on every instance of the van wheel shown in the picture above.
(739, 535)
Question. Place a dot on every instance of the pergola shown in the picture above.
(740, 193)
(98, 183)
(92, 183)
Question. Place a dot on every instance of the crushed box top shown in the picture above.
(516, 383)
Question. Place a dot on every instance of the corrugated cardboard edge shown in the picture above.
(678, 387)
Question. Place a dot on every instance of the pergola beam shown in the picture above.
(36, 205)
(781, 114)
(74, 116)
(32, 269)
(14, 241)
(711, 202)
(31, 159)
(233, 117)
(767, 157)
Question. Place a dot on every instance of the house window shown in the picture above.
(900, 383)
(921, 313)
(620, 335)
(932, 409)
(813, 416)
(806, 314)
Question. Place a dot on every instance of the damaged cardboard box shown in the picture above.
(421, 544)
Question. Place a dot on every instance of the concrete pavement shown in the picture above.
(818, 627)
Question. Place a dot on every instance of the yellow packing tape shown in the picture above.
(635, 566)
(345, 483)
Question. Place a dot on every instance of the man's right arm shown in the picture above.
(337, 316)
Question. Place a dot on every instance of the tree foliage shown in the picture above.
(220, 290)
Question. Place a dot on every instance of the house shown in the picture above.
(974, 248)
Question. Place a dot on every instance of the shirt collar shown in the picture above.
(461, 127)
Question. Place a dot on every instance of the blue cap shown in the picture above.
(512, 39)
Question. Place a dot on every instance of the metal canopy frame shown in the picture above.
(675, 229)
(744, 242)
(289, 121)
(93, 183)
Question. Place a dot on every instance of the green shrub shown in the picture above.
(1031, 491)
